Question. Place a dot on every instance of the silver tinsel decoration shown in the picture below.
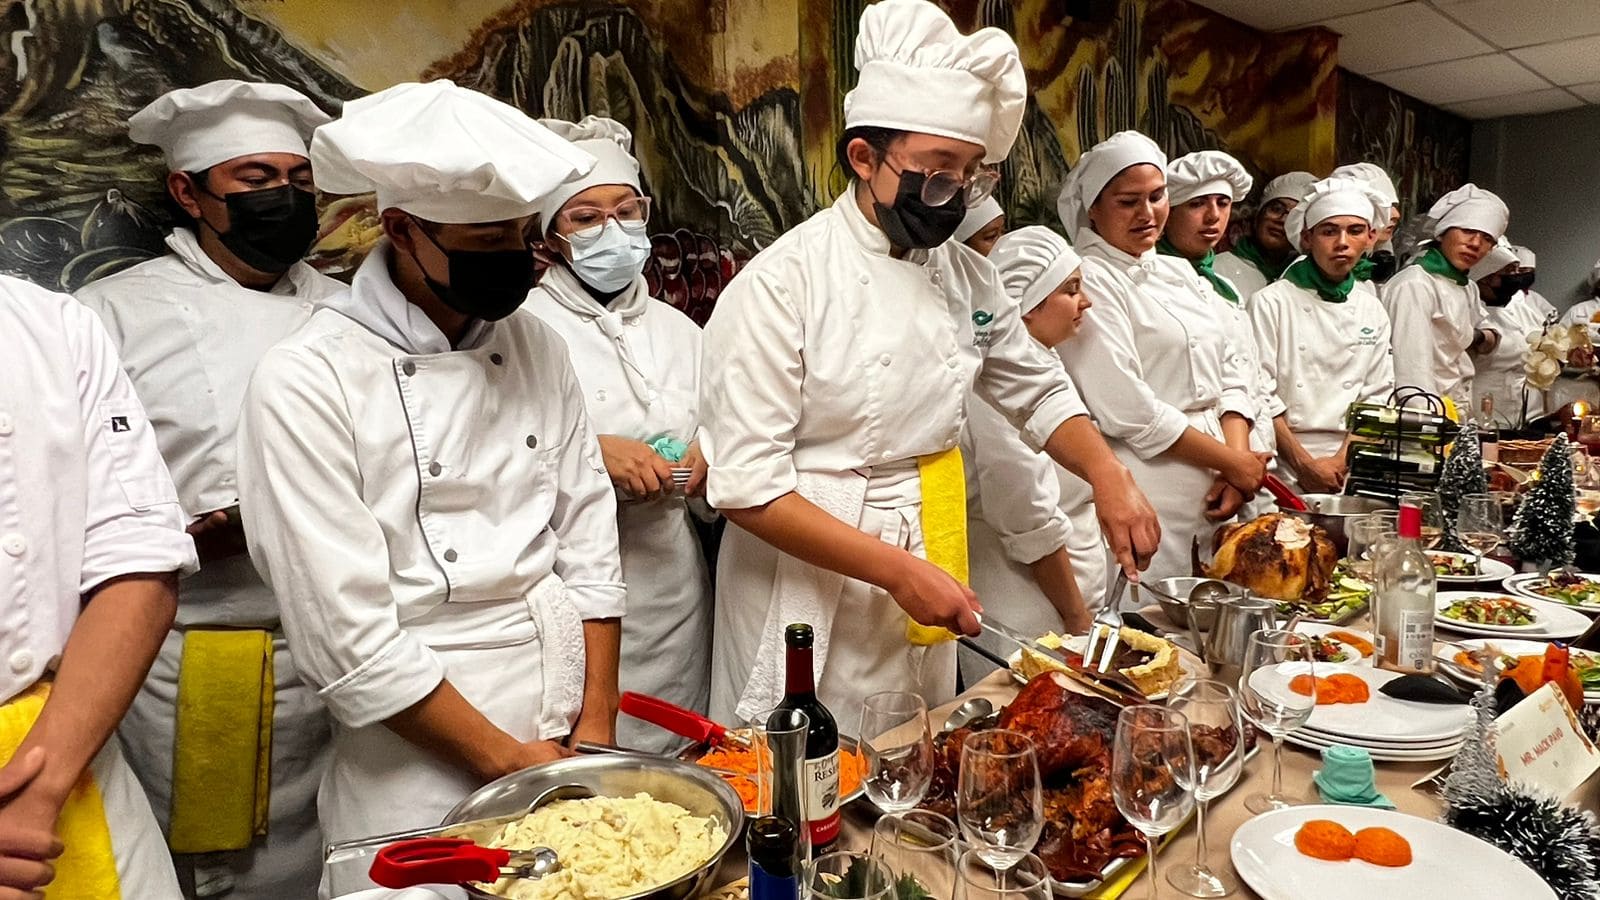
(1475, 772)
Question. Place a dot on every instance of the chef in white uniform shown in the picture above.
(1380, 263)
(1323, 333)
(91, 544)
(1438, 318)
(1504, 280)
(1159, 371)
(1586, 311)
(837, 367)
(1257, 259)
(190, 327)
(982, 226)
(419, 481)
(638, 363)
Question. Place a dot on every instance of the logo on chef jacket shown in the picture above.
(119, 424)
(982, 321)
(1368, 337)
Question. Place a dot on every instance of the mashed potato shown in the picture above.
(609, 847)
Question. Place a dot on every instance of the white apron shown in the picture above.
(1500, 374)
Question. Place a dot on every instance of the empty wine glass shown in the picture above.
(1152, 773)
(999, 799)
(847, 876)
(1365, 535)
(1478, 525)
(1216, 731)
(1273, 659)
(1026, 878)
(919, 845)
(1432, 517)
(898, 749)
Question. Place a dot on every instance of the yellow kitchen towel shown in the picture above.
(86, 869)
(1116, 887)
(944, 528)
(222, 753)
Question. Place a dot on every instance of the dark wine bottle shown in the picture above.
(772, 844)
(822, 740)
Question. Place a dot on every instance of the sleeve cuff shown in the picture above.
(742, 487)
(398, 676)
(1032, 546)
(1162, 432)
(138, 548)
(1275, 406)
(1056, 409)
(1240, 402)
(598, 599)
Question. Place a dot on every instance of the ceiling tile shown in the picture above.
(1566, 62)
(1464, 79)
(1589, 92)
(1276, 15)
(1531, 103)
(1400, 37)
(1533, 21)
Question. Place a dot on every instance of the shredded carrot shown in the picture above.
(851, 768)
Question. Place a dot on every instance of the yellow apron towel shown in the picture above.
(86, 869)
(944, 528)
(222, 753)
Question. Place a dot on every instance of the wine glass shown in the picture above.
(999, 799)
(978, 879)
(847, 876)
(899, 750)
(1272, 658)
(1217, 733)
(1478, 525)
(919, 845)
(1432, 517)
(1152, 773)
(1365, 535)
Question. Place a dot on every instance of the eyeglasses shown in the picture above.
(633, 211)
(941, 186)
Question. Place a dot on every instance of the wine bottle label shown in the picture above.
(1416, 639)
(822, 798)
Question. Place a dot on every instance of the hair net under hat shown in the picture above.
(1288, 186)
(444, 153)
(1207, 172)
(919, 73)
(610, 143)
(978, 217)
(1376, 178)
(1473, 208)
(1502, 254)
(1095, 169)
(1335, 197)
(197, 128)
(1033, 262)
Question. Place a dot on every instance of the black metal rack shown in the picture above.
(1414, 434)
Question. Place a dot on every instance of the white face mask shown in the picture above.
(609, 258)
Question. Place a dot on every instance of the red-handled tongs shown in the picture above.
(679, 721)
(410, 863)
(1281, 491)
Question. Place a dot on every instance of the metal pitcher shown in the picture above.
(1238, 617)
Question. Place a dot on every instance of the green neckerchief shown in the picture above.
(1203, 265)
(1363, 269)
(1434, 263)
(1248, 250)
(1304, 273)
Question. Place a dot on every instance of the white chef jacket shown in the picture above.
(1241, 273)
(638, 363)
(1434, 321)
(1500, 374)
(423, 512)
(1154, 358)
(84, 497)
(1581, 313)
(1319, 357)
(827, 356)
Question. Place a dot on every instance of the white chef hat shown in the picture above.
(1502, 254)
(610, 143)
(1376, 178)
(1525, 257)
(1033, 261)
(1095, 169)
(1335, 197)
(444, 153)
(1206, 172)
(1288, 186)
(199, 127)
(979, 216)
(919, 73)
(1473, 208)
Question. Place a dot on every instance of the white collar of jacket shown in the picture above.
(376, 303)
(871, 238)
(1090, 243)
(565, 288)
(186, 246)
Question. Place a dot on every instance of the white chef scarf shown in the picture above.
(1095, 169)
(610, 143)
(1207, 172)
(200, 127)
(1473, 208)
(1335, 197)
(1375, 177)
(977, 217)
(1288, 186)
(1033, 262)
(565, 289)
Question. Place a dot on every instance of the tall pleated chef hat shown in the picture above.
(1335, 197)
(199, 127)
(1288, 186)
(1375, 177)
(1033, 261)
(610, 143)
(977, 217)
(1207, 172)
(444, 153)
(1473, 208)
(1095, 169)
(1502, 254)
(919, 73)
(1525, 256)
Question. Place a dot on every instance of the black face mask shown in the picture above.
(1511, 284)
(484, 284)
(913, 224)
(1496, 297)
(1383, 265)
(269, 229)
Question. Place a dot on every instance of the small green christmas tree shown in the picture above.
(1541, 533)
(1462, 475)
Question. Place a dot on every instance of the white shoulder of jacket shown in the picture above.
(37, 308)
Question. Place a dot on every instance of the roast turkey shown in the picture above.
(1276, 556)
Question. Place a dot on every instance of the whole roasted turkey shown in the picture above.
(1276, 556)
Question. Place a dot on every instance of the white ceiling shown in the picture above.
(1477, 58)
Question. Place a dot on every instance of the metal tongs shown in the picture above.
(1113, 685)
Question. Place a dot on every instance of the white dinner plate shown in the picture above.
(1378, 754)
(1445, 598)
(1556, 621)
(1513, 647)
(1326, 737)
(1381, 718)
(1445, 862)
(1488, 570)
(1322, 628)
(1522, 585)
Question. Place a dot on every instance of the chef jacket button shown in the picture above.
(5, 424)
(865, 280)
(951, 362)
(13, 544)
(1349, 385)
(21, 661)
(533, 442)
(434, 469)
(1302, 348)
(883, 360)
(449, 556)
(654, 396)
(409, 367)
(600, 395)
(497, 359)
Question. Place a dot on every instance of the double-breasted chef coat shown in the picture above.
(1434, 321)
(1241, 273)
(1500, 374)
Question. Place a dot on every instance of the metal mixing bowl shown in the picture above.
(1173, 595)
(1331, 512)
(692, 787)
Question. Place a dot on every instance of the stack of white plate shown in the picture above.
(1389, 730)
(1551, 621)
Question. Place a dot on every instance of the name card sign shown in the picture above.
(1541, 744)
